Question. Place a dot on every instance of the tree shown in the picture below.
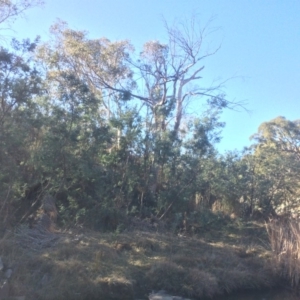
(277, 165)
(116, 77)
(99, 62)
(11, 9)
(106, 132)
(19, 84)
(18, 81)
(282, 134)
(167, 69)
(168, 73)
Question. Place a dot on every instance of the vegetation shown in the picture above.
(284, 237)
(105, 132)
(83, 264)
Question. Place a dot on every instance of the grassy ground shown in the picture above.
(83, 264)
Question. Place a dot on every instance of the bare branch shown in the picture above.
(9, 9)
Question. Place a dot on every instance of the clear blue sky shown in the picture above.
(260, 46)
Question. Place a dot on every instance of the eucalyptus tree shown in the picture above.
(171, 73)
(163, 77)
(98, 62)
(277, 165)
(142, 98)
(282, 134)
(18, 80)
(19, 84)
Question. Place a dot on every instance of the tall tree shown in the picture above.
(282, 134)
(276, 156)
(159, 81)
(168, 71)
(163, 77)
(19, 84)
(99, 62)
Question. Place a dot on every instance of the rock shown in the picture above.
(162, 295)
(1, 264)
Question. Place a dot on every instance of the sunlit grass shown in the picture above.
(94, 265)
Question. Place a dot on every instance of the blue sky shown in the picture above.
(260, 47)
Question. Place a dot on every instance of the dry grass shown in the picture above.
(284, 237)
(205, 270)
(93, 265)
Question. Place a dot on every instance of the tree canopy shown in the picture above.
(105, 131)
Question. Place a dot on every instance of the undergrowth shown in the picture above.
(284, 235)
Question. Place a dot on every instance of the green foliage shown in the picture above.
(276, 165)
(74, 124)
(19, 84)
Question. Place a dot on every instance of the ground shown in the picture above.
(78, 263)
